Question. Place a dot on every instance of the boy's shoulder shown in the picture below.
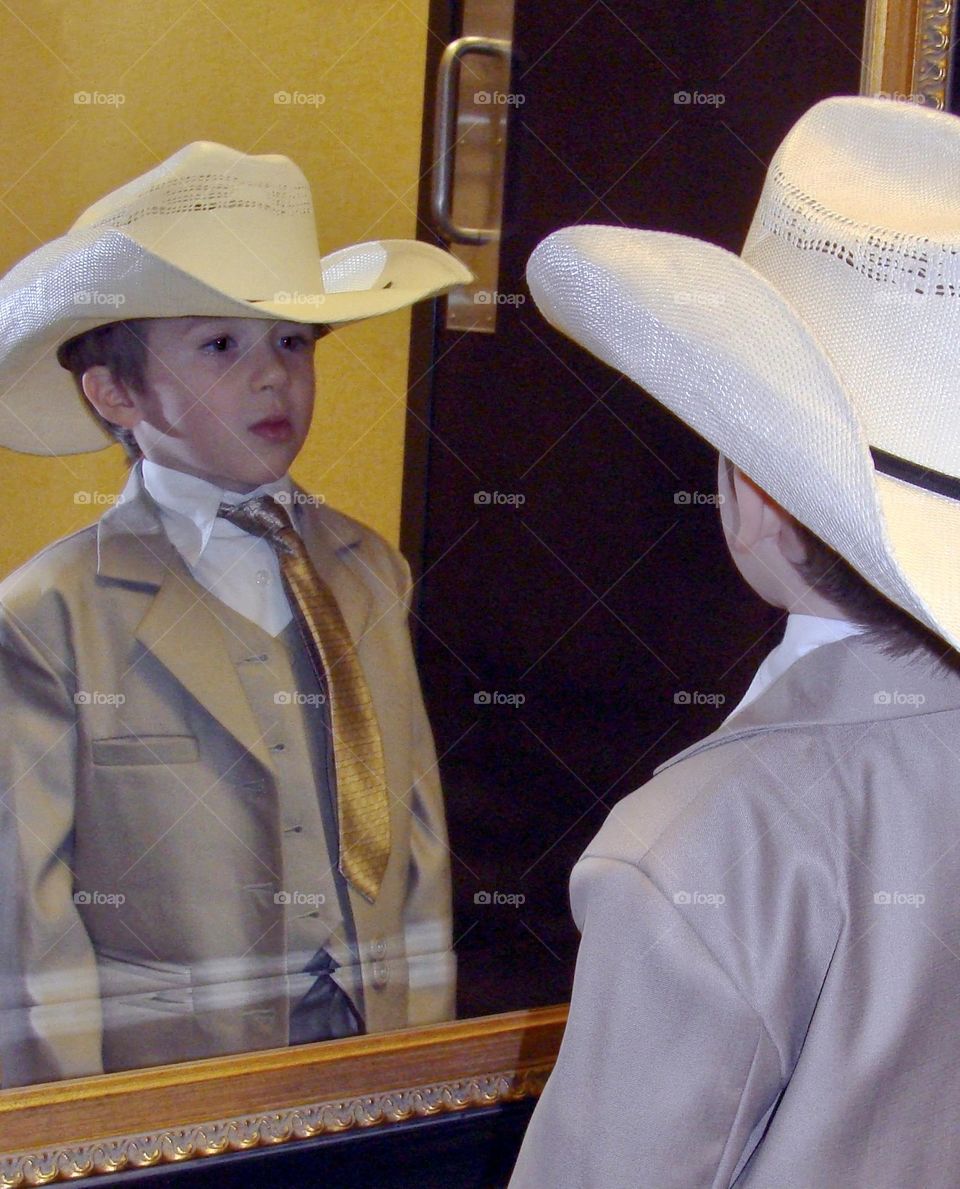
(42, 598)
(353, 542)
(800, 755)
(70, 561)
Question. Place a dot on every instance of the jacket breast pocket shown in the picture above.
(145, 749)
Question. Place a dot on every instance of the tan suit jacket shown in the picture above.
(133, 769)
(768, 983)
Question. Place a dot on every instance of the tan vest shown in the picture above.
(290, 708)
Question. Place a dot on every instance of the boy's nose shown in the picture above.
(268, 366)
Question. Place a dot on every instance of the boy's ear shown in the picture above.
(110, 397)
(757, 517)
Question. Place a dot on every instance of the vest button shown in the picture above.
(381, 974)
(378, 948)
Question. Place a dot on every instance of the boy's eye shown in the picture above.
(295, 342)
(223, 342)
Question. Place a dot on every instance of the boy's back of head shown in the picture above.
(823, 361)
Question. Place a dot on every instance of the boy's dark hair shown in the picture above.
(833, 577)
(121, 347)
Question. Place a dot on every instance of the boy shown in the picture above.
(221, 826)
(767, 980)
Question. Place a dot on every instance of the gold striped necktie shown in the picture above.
(363, 809)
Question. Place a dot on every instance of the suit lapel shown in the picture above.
(180, 627)
(183, 632)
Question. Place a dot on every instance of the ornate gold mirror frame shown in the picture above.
(76, 1129)
(906, 49)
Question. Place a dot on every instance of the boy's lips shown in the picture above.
(273, 429)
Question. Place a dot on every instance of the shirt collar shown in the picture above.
(802, 634)
(189, 506)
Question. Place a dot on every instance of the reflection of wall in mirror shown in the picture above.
(114, 88)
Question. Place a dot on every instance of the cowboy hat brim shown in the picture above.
(716, 343)
(90, 278)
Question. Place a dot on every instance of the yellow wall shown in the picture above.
(189, 71)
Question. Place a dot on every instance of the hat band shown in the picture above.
(918, 476)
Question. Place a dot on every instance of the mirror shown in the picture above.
(371, 98)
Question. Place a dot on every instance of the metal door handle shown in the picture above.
(448, 77)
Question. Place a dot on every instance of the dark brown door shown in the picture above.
(590, 596)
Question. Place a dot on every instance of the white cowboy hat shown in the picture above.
(210, 231)
(825, 363)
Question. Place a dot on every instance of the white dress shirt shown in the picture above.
(240, 569)
(802, 634)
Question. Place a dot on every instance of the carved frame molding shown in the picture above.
(202, 1108)
(906, 50)
(931, 70)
